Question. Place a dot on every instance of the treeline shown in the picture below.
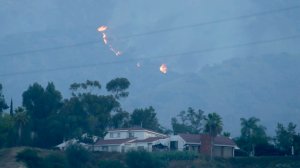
(253, 139)
(46, 119)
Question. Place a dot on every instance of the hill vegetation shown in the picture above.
(57, 159)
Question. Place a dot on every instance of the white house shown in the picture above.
(125, 139)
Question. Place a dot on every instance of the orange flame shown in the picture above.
(102, 29)
(163, 68)
(104, 38)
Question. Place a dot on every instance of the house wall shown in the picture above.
(116, 135)
(144, 146)
(179, 140)
(228, 152)
(123, 134)
(223, 151)
(108, 148)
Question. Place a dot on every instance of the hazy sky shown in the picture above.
(31, 25)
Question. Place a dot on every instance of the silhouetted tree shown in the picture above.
(285, 137)
(252, 134)
(21, 119)
(118, 87)
(145, 118)
(214, 127)
(3, 105)
(189, 121)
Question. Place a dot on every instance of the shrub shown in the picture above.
(110, 164)
(56, 161)
(186, 155)
(77, 156)
(30, 158)
(143, 159)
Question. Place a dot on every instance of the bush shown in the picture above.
(30, 158)
(77, 156)
(143, 159)
(177, 155)
(56, 161)
(110, 164)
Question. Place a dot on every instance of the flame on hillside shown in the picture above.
(102, 29)
(163, 68)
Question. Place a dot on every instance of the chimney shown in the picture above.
(205, 144)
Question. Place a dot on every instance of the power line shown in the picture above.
(50, 48)
(154, 32)
(213, 22)
(161, 56)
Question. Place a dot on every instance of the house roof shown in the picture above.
(129, 129)
(150, 139)
(113, 141)
(222, 140)
(191, 138)
(196, 138)
(135, 129)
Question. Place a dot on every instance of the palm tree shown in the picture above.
(213, 126)
(21, 118)
(252, 132)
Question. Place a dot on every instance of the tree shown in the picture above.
(213, 126)
(226, 134)
(87, 111)
(118, 87)
(189, 121)
(3, 105)
(285, 137)
(41, 104)
(83, 87)
(6, 130)
(120, 119)
(11, 108)
(252, 134)
(77, 156)
(145, 118)
(21, 119)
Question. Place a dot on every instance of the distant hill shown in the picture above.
(263, 86)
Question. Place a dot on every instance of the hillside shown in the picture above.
(263, 86)
(7, 160)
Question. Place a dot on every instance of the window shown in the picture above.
(111, 135)
(140, 147)
(131, 134)
(118, 135)
(174, 145)
(104, 148)
(113, 148)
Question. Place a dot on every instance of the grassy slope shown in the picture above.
(7, 160)
(255, 162)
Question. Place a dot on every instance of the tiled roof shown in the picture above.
(222, 140)
(135, 129)
(151, 139)
(113, 141)
(191, 138)
(129, 129)
(196, 138)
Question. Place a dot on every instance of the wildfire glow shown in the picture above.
(104, 38)
(117, 53)
(163, 68)
(102, 29)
